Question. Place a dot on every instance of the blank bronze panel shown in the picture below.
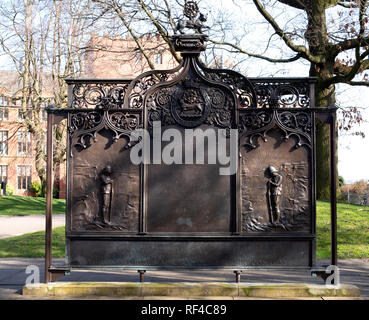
(233, 253)
(189, 197)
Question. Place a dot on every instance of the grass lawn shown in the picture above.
(24, 206)
(352, 224)
(352, 231)
(32, 245)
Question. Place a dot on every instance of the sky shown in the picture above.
(353, 151)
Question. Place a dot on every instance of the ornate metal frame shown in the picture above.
(225, 99)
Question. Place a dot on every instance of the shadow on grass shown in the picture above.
(22, 206)
(32, 245)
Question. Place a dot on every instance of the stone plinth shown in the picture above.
(188, 289)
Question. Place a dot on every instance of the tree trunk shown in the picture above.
(325, 94)
(324, 97)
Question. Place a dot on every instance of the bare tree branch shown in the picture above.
(239, 49)
(160, 29)
(302, 50)
(359, 83)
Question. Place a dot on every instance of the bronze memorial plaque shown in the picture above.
(105, 187)
(275, 185)
(173, 205)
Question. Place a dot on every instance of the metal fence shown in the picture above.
(354, 198)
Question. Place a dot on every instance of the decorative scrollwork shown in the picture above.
(253, 93)
(296, 120)
(282, 94)
(138, 88)
(241, 86)
(221, 109)
(98, 95)
(125, 120)
(293, 123)
(83, 126)
(84, 121)
(190, 104)
(255, 120)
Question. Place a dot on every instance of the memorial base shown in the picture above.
(188, 289)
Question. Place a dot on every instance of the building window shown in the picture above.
(3, 101)
(16, 102)
(3, 173)
(22, 114)
(158, 58)
(24, 143)
(3, 143)
(4, 114)
(24, 176)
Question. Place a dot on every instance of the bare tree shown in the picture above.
(139, 18)
(69, 32)
(43, 40)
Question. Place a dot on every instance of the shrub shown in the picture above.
(359, 187)
(36, 189)
(9, 190)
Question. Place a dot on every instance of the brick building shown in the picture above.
(120, 58)
(17, 152)
(105, 58)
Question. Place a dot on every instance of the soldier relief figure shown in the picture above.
(107, 192)
(103, 219)
(284, 204)
(274, 194)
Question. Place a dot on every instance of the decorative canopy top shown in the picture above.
(191, 73)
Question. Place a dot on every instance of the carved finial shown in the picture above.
(191, 11)
(195, 42)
